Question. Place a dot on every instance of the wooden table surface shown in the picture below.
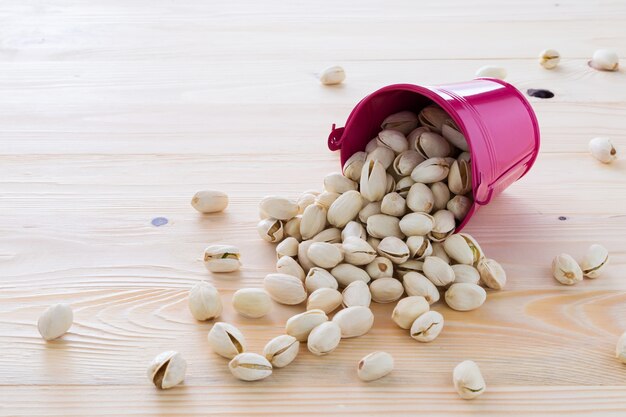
(114, 113)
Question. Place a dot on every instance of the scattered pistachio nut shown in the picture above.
(250, 367)
(382, 225)
(325, 255)
(281, 350)
(419, 247)
(271, 230)
(336, 182)
(353, 166)
(463, 248)
(417, 224)
(408, 310)
(468, 381)
(595, 260)
(375, 366)
(324, 338)
(303, 258)
(167, 369)
(288, 247)
(459, 206)
(345, 274)
(313, 220)
(605, 60)
(289, 266)
(204, 301)
(252, 302)
(357, 293)
(393, 204)
(443, 226)
(404, 121)
(226, 340)
(357, 251)
(209, 201)
(394, 140)
(380, 267)
(438, 271)
(416, 284)
(566, 270)
(354, 321)
(466, 273)
(325, 299)
(427, 326)
(465, 296)
(492, 274)
(285, 289)
(332, 235)
(222, 258)
(441, 195)
(420, 198)
(300, 325)
(55, 321)
(333, 75)
(431, 170)
(291, 228)
(373, 182)
(353, 229)
(318, 278)
(602, 149)
(386, 290)
(345, 208)
(549, 58)
(491, 71)
(278, 207)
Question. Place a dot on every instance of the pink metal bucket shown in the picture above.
(496, 119)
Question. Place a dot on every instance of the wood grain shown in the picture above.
(115, 113)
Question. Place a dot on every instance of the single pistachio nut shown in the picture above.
(492, 274)
(391, 185)
(602, 149)
(354, 321)
(353, 166)
(417, 224)
(465, 156)
(465, 297)
(406, 162)
(403, 186)
(459, 206)
(444, 225)
(373, 241)
(167, 369)
(278, 207)
(353, 229)
(380, 267)
(373, 182)
(291, 228)
(595, 260)
(324, 338)
(408, 310)
(382, 225)
(333, 75)
(451, 131)
(332, 235)
(604, 60)
(357, 251)
(427, 327)
(357, 293)
(303, 258)
(326, 198)
(55, 321)
(369, 210)
(222, 258)
(431, 170)
(404, 122)
(271, 230)
(252, 302)
(420, 198)
(209, 201)
(226, 340)
(281, 350)
(460, 177)
(416, 284)
(549, 58)
(394, 140)
(394, 249)
(440, 252)
(414, 136)
(204, 301)
(491, 71)
(463, 248)
(319, 278)
(305, 200)
(566, 270)
(345, 208)
(432, 117)
(300, 325)
(431, 145)
(620, 348)
(250, 367)
(374, 366)
(289, 266)
(313, 220)
(382, 154)
(325, 299)
(466, 273)
(285, 289)
(419, 247)
(325, 255)
(371, 145)
(386, 290)
(411, 265)
(468, 381)
(438, 271)
(345, 274)
(441, 195)
(336, 182)
(288, 247)
(393, 204)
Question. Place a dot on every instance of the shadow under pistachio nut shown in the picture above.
(380, 267)
(250, 367)
(386, 290)
(357, 251)
(281, 350)
(345, 274)
(300, 325)
(289, 266)
(463, 248)
(566, 270)
(408, 309)
(468, 381)
(279, 207)
(271, 230)
(204, 301)
(345, 208)
(357, 293)
(318, 278)
(393, 249)
(492, 274)
(324, 338)
(465, 297)
(325, 299)
(431, 170)
(375, 366)
(438, 271)
(209, 201)
(416, 284)
(226, 340)
(222, 258)
(427, 326)
(167, 369)
(594, 261)
(285, 289)
(404, 122)
(252, 302)
(354, 321)
(420, 198)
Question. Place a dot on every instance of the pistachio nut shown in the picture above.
(345, 208)
(289, 266)
(380, 267)
(386, 290)
(441, 195)
(373, 241)
(431, 145)
(167, 369)
(300, 325)
(325, 299)
(595, 260)
(394, 140)
(492, 274)
(393, 204)
(394, 249)
(55, 321)
(204, 301)
(353, 229)
(332, 235)
(465, 297)
(491, 72)
(468, 381)
(209, 201)
(353, 166)
(371, 145)
(346, 274)
(336, 182)
(403, 185)
(354, 321)
(303, 258)
(319, 278)
(566, 270)
(431, 170)
(226, 340)
(332, 75)
(464, 156)
(408, 310)
(373, 180)
(450, 130)
(271, 230)
(440, 252)
(325, 255)
(438, 271)
(620, 348)
(427, 327)
(406, 161)
(369, 210)
(416, 284)
(411, 265)
(602, 149)
(357, 293)
(250, 367)
(444, 225)
(313, 221)
(375, 366)
(324, 338)
(291, 228)
(383, 225)
(278, 207)
(281, 350)
(404, 121)
(285, 289)
(326, 198)
(463, 248)
(391, 184)
(419, 247)
(288, 247)
(305, 200)
(420, 198)
(460, 177)
(549, 58)
(357, 251)
(252, 303)
(222, 258)
(433, 116)
(604, 60)
(466, 273)
(414, 135)
(381, 154)
(459, 206)
(417, 224)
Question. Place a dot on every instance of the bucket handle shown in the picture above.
(334, 139)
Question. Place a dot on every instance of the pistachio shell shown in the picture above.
(55, 321)
(326, 198)
(375, 366)
(204, 301)
(353, 166)
(292, 228)
(427, 326)
(420, 198)
(405, 162)
(459, 206)
(373, 180)
(379, 268)
(394, 249)
(226, 340)
(549, 58)
(354, 321)
(450, 130)
(331, 235)
(417, 224)
(288, 247)
(383, 225)
(353, 229)
(460, 177)
(357, 251)
(416, 284)
(386, 290)
(325, 255)
(393, 205)
(252, 302)
(300, 325)
(357, 293)
(222, 258)
(438, 271)
(382, 154)
(333, 75)
(466, 273)
(313, 220)
(492, 274)
(433, 116)
(324, 338)
(278, 207)
(419, 247)
(289, 266)
(431, 170)
(444, 225)
(319, 278)
(465, 297)
(394, 140)
(250, 367)
(491, 72)
(595, 260)
(209, 201)
(605, 60)
(463, 248)
(345, 208)
(408, 310)
(369, 210)
(281, 350)
(441, 195)
(305, 200)
(271, 230)
(411, 265)
(431, 145)
(403, 185)
(325, 299)
(468, 381)
(602, 149)
(346, 274)
(167, 369)
(303, 257)
(336, 183)
(566, 270)
(404, 121)
(285, 289)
